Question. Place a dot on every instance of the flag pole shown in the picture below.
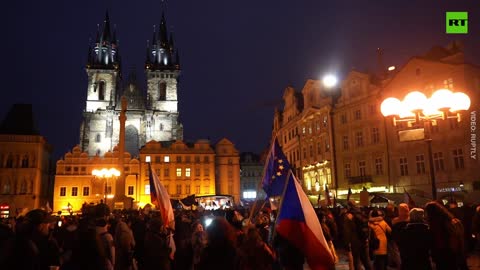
(281, 202)
(259, 186)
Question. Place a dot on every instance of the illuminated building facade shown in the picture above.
(303, 130)
(455, 159)
(368, 152)
(153, 116)
(24, 162)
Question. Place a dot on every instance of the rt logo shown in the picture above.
(457, 22)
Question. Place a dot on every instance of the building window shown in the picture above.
(101, 90)
(197, 159)
(63, 191)
(378, 166)
(179, 189)
(109, 189)
(303, 130)
(179, 159)
(206, 172)
(9, 161)
(420, 161)
(197, 172)
(86, 191)
(458, 158)
(438, 161)
(166, 159)
(309, 129)
(187, 159)
(403, 166)
(187, 189)
(157, 159)
(206, 159)
(206, 189)
(448, 83)
(23, 187)
(161, 127)
(347, 169)
(345, 142)
(372, 108)
(157, 172)
(130, 190)
(25, 161)
(98, 138)
(179, 172)
(74, 191)
(162, 91)
(327, 146)
(325, 121)
(197, 189)
(375, 135)
(343, 119)
(311, 150)
(187, 172)
(362, 168)
(304, 152)
(358, 115)
(166, 172)
(359, 138)
(147, 189)
(319, 150)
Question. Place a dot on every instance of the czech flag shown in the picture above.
(160, 198)
(298, 224)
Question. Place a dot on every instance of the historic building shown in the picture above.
(303, 130)
(150, 116)
(24, 163)
(367, 151)
(120, 118)
(361, 150)
(454, 155)
(251, 172)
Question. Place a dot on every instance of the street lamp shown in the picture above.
(106, 174)
(330, 82)
(416, 109)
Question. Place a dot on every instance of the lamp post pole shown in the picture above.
(432, 172)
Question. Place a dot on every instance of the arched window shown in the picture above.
(162, 91)
(98, 138)
(101, 90)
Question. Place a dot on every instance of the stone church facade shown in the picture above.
(153, 116)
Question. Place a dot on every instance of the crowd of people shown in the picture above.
(432, 237)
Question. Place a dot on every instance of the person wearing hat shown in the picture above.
(34, 248)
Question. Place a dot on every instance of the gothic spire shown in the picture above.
(106, 29)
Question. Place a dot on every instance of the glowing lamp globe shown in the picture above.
(390, 106)
(329, 81)
(460, 102)
(442, 99)
(430, 109)
(414, 101)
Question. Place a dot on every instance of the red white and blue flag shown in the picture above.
(276, 170)
(160, 198)
(298, 224)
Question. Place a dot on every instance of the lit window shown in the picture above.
(249, 194)
(448, 83)
(74, 191)
(147, 189)
(179, 172)
(187, 172)
(166, 159)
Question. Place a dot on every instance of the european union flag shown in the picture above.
(276, 171)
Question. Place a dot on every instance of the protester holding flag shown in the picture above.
(276, 170)
(298, 224)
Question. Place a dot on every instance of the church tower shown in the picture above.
(153, 116)
(162, 67)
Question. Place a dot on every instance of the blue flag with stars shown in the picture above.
(276, 171)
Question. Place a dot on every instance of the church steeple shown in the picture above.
(162, 53)
(104, 52)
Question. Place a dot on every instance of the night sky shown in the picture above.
(237, 57)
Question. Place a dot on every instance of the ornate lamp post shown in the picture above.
(106, 174)
(417, 110)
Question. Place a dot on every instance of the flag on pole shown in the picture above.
(408, 199)
(160, 198)
(276, 170)
(298, 224)
(349, 194)
(328, 201)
